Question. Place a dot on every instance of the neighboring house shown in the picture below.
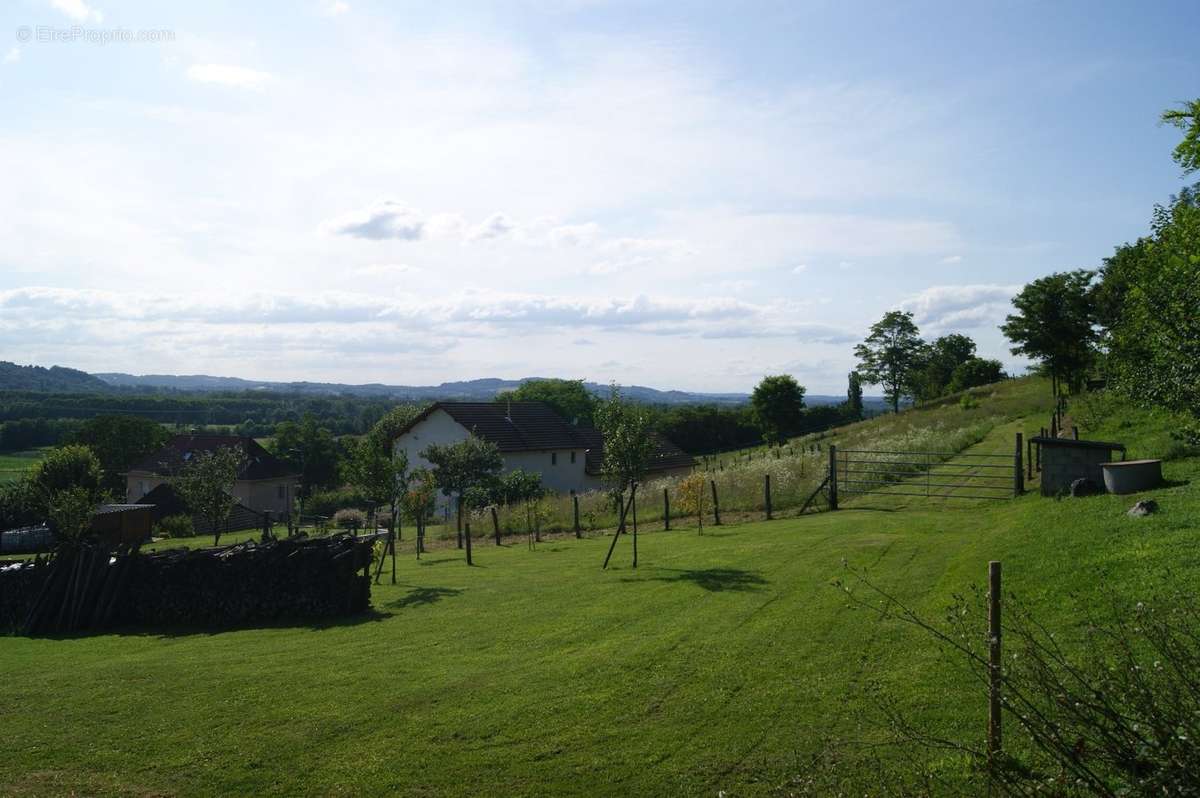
(265, 483)
(531, 436)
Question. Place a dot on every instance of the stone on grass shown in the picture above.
(1144, 507)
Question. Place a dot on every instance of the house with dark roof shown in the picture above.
(265, 482)
(533, 437)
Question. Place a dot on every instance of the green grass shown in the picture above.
(14, 464)
(725, 662)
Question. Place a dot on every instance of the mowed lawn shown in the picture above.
(725, 662)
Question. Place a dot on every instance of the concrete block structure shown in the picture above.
(1065, 460)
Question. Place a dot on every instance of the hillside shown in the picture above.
(481, 389)
(55, 378)
(727, 661)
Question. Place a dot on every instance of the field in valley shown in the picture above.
(727, 661)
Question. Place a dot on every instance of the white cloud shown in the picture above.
(386, 270)
(952, 259)
(494, 226)
(77, 10)
(228, 75)
(384, 220)
(943, 307)
(13, 55)
(334, 8)
(800, 268)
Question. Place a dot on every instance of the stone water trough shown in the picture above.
(1131, 476)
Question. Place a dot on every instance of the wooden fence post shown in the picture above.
(1018, 469)
(716, 504)
(833, 485)
(767, 494)
(575, 503)
(994, 743)
(1029, 459)
(467, 536)
(666, 511)
(459, 522)
(496, 525)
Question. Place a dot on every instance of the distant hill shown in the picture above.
(55, 378)
(466, 390)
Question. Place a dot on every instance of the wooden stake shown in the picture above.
(666, 511)
(833, 485)
(1018, 469)
(767, 494)
(496, 525)
(575, 502)
(716, 504)
(994, 742)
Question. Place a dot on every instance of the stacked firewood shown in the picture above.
(94, 587)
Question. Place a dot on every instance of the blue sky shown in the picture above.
(686, 196)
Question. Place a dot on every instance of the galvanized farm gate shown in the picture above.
(941, 475)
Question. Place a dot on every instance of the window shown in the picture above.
(553, 458)
(572, 458)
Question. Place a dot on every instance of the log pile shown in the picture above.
(95, 587)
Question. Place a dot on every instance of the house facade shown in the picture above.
(265, 483)
(532, 437)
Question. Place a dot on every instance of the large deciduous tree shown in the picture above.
(937, 362)
(460, 467)
(1054, 323)
(1187, 119)
(205, 483)
(778, 406)
(975, 372)
(890, 354)
(119, 442)
(570, 398)
(309, 448)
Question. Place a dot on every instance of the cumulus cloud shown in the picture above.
(228, 75)
(382, 221)
(77, 10)
(13, 55)
(800, 268)
(960, 306)
(494, 226)
(334, 8)
(952, 259)
(386, 270)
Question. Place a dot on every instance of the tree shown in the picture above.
(205, 483)
(71, 510)
(1187, 119)
(937, 362)
(376, 471)
(854, 397)
(522, 487)
(889, 354)
(975, 372)
(388, 428)
(459, 467)
(628, 444)
(1054, 323)
(778, 406)
(1154, 340)
(569, 398)
(419, 502)
(309, 448)
(66, 467)
(119, 442)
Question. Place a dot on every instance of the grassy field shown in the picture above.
(14, 464)
(726, 662)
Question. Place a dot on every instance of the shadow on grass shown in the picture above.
(712, 579)
(421, 596)
(369, 615)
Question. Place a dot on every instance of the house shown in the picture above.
(531, 436)
(264, 484)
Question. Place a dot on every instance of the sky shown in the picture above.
(678, 195)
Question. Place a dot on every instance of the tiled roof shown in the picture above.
(665, 457)
(535, 426)
(260, 464)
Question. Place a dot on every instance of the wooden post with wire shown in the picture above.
(716, 504)
(666, 511)
(1018, 469)
(833, 486)
(767, 494)
(994, 741)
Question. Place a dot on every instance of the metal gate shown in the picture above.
(941, 475)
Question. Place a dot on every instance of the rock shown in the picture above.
(1144, 507)
(1084, 487)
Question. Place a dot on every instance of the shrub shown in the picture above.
(328, 502)
(968, 402)
(175, 526)
(350, 519)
